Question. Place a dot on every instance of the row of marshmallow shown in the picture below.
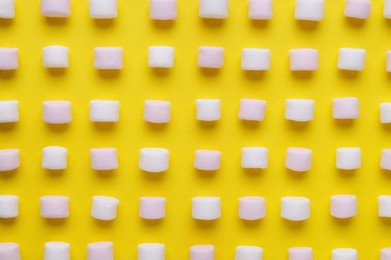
(253, 59)
(203, 208)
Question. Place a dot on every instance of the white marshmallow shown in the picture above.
(385, 161)
(57, 251)
(9, 206)
(300, 253)
(54, 158)
(217, 9)
(255, 157)
(385, 113)
(351, 59)
(248, 253)
(150, 251)
(154, 159)
(161, 57)
(55, 56)
(103, 9)
(344, 254)
(104, 111)
(208, 109)
(255, 59)
(311, 10)
(9, 111)
(260, 9)
(387, 9)
(301, 110)
(7, 9)
(206, 208)
(384, 206)
(104, 208)
(295, 208)
(385, 253)
(348, 158)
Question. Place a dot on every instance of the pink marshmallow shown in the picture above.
(9, 159)
(252, 208)
(252, 109)
(385, 253)
(9, 251)
(202, 252)
(300, 253)
(260, 9)
(388, 61)
(54, 207)
(298, 159)
(104, 159)
(9, 58)
(152, 207)
(100, 251)
(345, 108)
(163, 9)
(210, 57)
(343, 206)
(303, 59)
(360, 9)
(108, 58)
(207, 160)
(57, 112)
(156, 111)
(385, 162)
(55, 8)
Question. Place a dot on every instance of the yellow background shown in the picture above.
(134, 31)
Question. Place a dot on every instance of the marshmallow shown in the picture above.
(388, 53)
(163, 9)
(348, 158)
(161, 57)
(300, 110)
(56, 8)
(384, 206)
(104, 208)
(298, 159)
(310, 10)
(343, 206)
(303, 59)
(260, 9)
(104, 111)
(385, 112)
(9, 206)
(9, 111)
(108, 58)
(157, 111)
(387, 9)
(360, 9)
(103, 9)
(252, 208)
(55, 56)
(154, 159)
(345, 108)
(255, 59)
(208, 109)
(57, 112)
(104, 159)
(344, 254)
(100, 251)
(300, 253)
(7, 9)
(207, 160)
(152, 207)
(9, 159)
(255, 157)
(351, 59)
(248, 253)
(54, 158)
(385, 253)
(57, 251)
(54, 207)
(217, 9)
(295, 208)
(9, 251)
(252, 109)
(385, 162)
(9, 58)
(206, 208)
(210, 57)
(202, 252)
(150, 251)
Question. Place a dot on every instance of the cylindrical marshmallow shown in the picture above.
(7, 9)
(100, 251)
(150, 251)
(295, 208)
(202, 252)
(300, 253)
(154, 159)
(57, 112)
(384, 206)
(248, 253)
(163, 9)
(388, 53)
(9, 206)
(360, 9)
(54, 206)
(9, 111)
(385, 253)
(298, 159)
(208, 109)
(255, 59)
(310, 10)
(56, 8)
(55, 56)
(217, 9)
(9, 251)
(57, 251)
(303, 59)
(207, 160)
(108, 58)
(210, 57)
(387, 9)
(152, 207)
(104, 111)
(9, 58)
(252, 109)
(161, 57)
(103, 9)
(385, 162)
(104, 159)
(385, 113)
(343, 206)
(260, 9)
(104, 208)
(344, 254)
(255, 157)
(9, 159)
(348, 158)
(157, 111)
(301, 110)
(252, 208)
(54, 157)
(351, 59)
(345, 108)
(206, 208)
